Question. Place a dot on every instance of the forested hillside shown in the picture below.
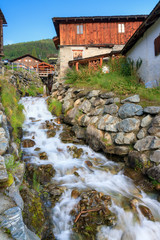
(39, 49)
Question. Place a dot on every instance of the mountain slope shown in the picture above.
(39, 49)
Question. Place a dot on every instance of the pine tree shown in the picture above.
(34, 54)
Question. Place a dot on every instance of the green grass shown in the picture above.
(55, 107)
(122, 85)
(14, 110)
(32, 90)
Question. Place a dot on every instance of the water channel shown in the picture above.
(104, 176)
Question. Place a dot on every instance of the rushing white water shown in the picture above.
(111, 182)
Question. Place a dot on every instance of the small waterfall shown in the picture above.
(129, 225)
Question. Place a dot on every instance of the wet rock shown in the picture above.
(93, 93)
(68, 136)
(125, 138)
(93, 137)
(88, 164)
(147, 143)
(75, 194)
(85, 107)
(155, 156)
(152, 110)
(134, 203)
(75, 152)
(146, 121)
(146, 212)
(43, 156)
(42, 173)
(79, 132)
(107, 95)
(129, 125)
(142, 133)
(138, 161)
(27, 143)
(13, 221)
(37, 149)
(132, 99)
(116, 150)
(111, 109)
(130, 110)
(51, 133)
(3, 171)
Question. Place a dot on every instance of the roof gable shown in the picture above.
(2, 17)
(150, 20)
(26, 55)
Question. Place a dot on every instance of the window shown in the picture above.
(77, 54)
(121, 28)
(79, 29)
(157, 46)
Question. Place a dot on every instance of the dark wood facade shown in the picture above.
(2, 23)
(96, 31)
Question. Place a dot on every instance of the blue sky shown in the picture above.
(30, 20)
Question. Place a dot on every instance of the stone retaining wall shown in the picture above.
(121, 128)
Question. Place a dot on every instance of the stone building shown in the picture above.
(84, 37)
(145, 45)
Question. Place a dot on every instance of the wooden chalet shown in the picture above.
(85, 37)
(44, 69)
(27, 61)
(2, 24)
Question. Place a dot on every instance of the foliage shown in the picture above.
(36, 185)
(122, 85)
(42, 49)
(10, 163)
(55, 107)
(14, 110)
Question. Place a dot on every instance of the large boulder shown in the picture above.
(93, 137)
(152, 110)
(108, 123)
(125, 138)
(147, 143)
(132, 99)
(130, 110)
(129, 125)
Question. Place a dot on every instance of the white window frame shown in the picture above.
(121, 28)
(80, 29)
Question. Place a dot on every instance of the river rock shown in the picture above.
(155, 156)
(111, 109)
(146, 121)
(27, 143)
(147, 143)
(3, 171)
(142, 133)
(3, 145)
(146, 212)
(132, 99)
(93, 93)
(43, 156)
(13, 221)
(75, 194)
(130, 110)
(93, 137)
(79, 132)
(152, 110)
(51, 133)
(85, 107)
(107, 95)
(154, 173)
(129, 125)
(125, 138)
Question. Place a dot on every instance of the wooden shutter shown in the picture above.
(157, 46)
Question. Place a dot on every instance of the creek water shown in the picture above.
(105, 176)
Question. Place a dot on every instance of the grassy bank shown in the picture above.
(13, 110)
(54, 106)
(122, 85)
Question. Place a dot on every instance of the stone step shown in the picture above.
(3, 171)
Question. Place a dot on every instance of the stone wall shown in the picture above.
(121, 128)
(66, 54)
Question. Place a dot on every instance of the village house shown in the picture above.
(27, 61)
(145, 45)
(85, 37)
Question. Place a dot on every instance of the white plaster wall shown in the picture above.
(144, 49)
(66, 54)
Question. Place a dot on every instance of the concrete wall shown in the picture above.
(66, 54)
(144, 49)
